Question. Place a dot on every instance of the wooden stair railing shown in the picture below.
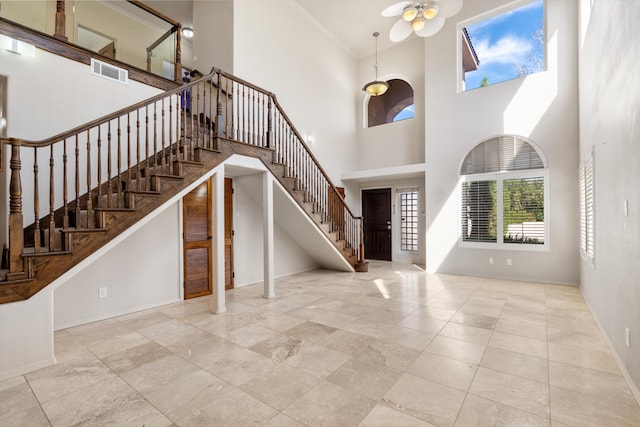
(103, 176)
(253, 116)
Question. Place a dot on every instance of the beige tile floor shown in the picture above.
(391, 347)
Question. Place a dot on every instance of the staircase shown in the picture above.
(99, 179)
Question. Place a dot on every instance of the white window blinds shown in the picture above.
(500, 154)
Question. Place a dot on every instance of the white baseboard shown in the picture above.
(116, 313)
(4, 375)
(634, 388)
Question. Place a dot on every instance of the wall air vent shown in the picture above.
(109, 71)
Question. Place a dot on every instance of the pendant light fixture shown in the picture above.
(376, 87)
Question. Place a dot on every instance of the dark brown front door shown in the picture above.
(196, 207)
(376, 210)
(228, 233)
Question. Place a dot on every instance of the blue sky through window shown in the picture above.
(406, 113)
(506, 46)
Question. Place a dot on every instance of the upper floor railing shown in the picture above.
(128, 31)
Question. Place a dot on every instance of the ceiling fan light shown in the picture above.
(418, 23)
(409, 13)
(376, 88)
(431, 11)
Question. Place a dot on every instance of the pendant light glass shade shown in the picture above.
(376, 87)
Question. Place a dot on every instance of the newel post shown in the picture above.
(60, 21)
(16, 236)
(177, 69)
(220, 124)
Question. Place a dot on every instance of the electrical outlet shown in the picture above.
(508, 261)
(491, 261)
(102, 292)
(627, 337)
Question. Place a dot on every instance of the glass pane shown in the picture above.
(503, 47)
(479, 205)
(524, 210)
(409, 221)
(32, 14)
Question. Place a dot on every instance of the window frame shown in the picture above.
(500, 177)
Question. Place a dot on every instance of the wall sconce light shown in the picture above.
(187, 32)
(310, 140)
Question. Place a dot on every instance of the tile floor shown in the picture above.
(391, 347)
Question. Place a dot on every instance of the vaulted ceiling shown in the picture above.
(350, 22)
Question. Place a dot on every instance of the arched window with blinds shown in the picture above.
(503, 193)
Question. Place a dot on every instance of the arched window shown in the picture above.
(503, 187)
(396, 104)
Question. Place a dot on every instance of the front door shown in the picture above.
(376, 210)
(196, 207)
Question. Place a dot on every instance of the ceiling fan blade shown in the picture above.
(448, 8)
(431, 27)
(400, 30)
(395, 9)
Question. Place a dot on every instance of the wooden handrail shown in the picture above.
(154, 12)
(104, 119)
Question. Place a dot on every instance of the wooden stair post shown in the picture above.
(16, 236)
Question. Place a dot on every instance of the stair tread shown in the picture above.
(167, 176)
(4, 281)
(44, 251)
(144, 192)
(212, 150)
(83, 230)
(189, 162)
(114, 209)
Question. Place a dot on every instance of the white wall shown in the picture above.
(280, 48)
(63, 100)
(289, 258)
(610, 125)
(542, 107)
(213, 44)
(400, 143)
(39, 108)
(26, 335)
(142, 271)
(49, 94)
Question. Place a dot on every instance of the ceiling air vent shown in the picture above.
(109, 71)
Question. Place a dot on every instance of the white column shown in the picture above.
(267, 209)
(217, 187)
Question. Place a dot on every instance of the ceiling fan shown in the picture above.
(425, 18)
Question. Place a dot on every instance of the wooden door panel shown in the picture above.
(376, 210)
(197, 281)
(228, 233)
(197, 242)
